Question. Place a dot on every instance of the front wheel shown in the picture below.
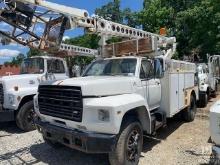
(129, 145)
(189, 113)
(24, 118)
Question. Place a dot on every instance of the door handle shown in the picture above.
(158, 83)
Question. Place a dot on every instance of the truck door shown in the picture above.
(150, 84)
(57, 68)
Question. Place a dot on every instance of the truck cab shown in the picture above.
(114, 103)
(17, 91)
(203, 82)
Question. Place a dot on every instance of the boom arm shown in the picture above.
(25, 15)
(64, 49)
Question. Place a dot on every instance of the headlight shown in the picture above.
(11, 99)
(103, 115)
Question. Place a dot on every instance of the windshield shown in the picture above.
(199, 70)
(55, 66)
(112, 67)
(32, 66)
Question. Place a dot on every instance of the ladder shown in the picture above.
(65, 50)
(57, 18)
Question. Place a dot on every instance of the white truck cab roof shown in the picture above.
(47, 57)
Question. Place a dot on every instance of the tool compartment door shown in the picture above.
(181, 91)
(174, 93)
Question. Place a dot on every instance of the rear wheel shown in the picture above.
(129, 145)
(24, 118)
(189, 113)
(203, 101)
(216, 90)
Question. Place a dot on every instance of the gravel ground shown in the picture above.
(178, 143)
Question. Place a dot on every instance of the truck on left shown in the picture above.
(17, 92)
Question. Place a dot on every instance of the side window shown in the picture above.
(55, 66)
(158, 68)
(146, 69)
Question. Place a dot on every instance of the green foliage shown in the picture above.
(87, 40)
(195, 23)
(156, 16)
(197, 29)
(111, 11)
(35, 52)
(16, 61)
(130, 18)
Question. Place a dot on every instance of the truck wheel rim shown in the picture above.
(133, 145)
(30, 117)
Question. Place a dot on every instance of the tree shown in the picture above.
(197, 29)
(156, 16)
(111, 11)
(194, 23)
(130, 18)
(87, 40)
(16, 60)
(33, 52)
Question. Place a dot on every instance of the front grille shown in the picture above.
(1, 94)
(64, 102)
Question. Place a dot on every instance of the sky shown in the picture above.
(12, 50)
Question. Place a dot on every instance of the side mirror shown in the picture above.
(158, 68)
(196, 74)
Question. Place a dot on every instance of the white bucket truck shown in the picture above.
(214, 72)
(17, 91)
(114, 103)
(204, 86)
(208, 76)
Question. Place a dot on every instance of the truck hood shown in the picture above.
(24, 80)
(102, 85)
(203, 78)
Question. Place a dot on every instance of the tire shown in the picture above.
(24, 118)
(204, 100)
(215, 92)
(121, 154)
(52, 144)
(189, 113)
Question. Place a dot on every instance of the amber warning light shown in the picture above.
(163, 31)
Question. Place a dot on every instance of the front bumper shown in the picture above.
(7, 115)
(82, 141)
